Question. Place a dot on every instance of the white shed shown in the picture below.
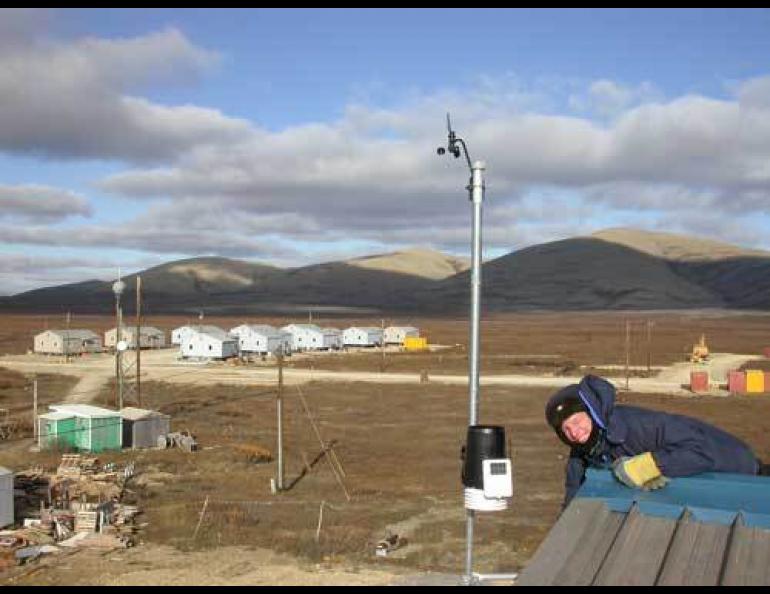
(150, 337)
(333, 338)
(141, 428)
(308, 337)
(362, 336)
(397, 334)
(6, 497)
(211, 343)
(261, 338)
(67, 342)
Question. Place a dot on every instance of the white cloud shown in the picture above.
(73, 100)
(216, 184)
(37, 204)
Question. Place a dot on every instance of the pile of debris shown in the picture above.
(183, 440)
(80, 504)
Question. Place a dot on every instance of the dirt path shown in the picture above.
(153, 565)
(95, 372)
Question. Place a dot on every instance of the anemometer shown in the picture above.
(486, 475)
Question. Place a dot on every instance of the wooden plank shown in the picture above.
(748, 559)
(582, 565)
(638, 552)
(561, 541)
(696, 555)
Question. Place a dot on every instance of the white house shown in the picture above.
(67, 342)
(211, 343)
(309, 337)
(333, 338)
(362, 336)
(149, 337)
(261, 338)
(178, 335)
(397, 334)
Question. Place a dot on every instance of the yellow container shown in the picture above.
(415, 343)
(755, 381)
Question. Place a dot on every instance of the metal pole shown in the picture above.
(139, 340)
(279, 403)
(118, 362)
(476, 189)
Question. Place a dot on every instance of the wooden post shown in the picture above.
(279, 411)
(628, 349)
(139, 340)
(320, 521)
(649, 346)
(200, 520)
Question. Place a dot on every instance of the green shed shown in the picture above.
(81, 427)
(56, 430)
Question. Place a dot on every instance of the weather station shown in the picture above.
(487, 471)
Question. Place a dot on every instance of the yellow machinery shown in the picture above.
(755, 381)
(415, 343)
(700, 352)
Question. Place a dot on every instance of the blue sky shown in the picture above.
(134, 136)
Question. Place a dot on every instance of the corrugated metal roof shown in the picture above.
(213, 332)
(264, 329)
(55, 416)
(134, 414)
(144, 330)
(374, 329)
(713, 529)
(73, 334)
(83, 410)
(301, 327)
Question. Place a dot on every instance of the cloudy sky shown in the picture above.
(133, 137)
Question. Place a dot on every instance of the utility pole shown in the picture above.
(279, 407)
(139, 340)
(117, 288)
(34, 407)
(382, 348)
(650, 324)
(67, 340)
(628, 349)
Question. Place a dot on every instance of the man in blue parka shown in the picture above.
(644, 448)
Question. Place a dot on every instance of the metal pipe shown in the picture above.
(476, 189)
(491, 577)
(477, 196)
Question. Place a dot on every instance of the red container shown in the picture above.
(767, 379)
(699, 381)
(766, 352)
(736, 382)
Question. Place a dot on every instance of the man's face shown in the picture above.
(577, 428)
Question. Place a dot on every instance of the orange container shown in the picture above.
(699, 381)
(736, 382)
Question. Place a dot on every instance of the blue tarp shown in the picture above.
(710, 497)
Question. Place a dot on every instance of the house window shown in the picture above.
(190, 347)
(209, 347)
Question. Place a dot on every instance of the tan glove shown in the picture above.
(656, 483)
(635, 471)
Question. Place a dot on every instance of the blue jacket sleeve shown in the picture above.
(574, 476)
(685, 450)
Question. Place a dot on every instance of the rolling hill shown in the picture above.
(615, 269)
